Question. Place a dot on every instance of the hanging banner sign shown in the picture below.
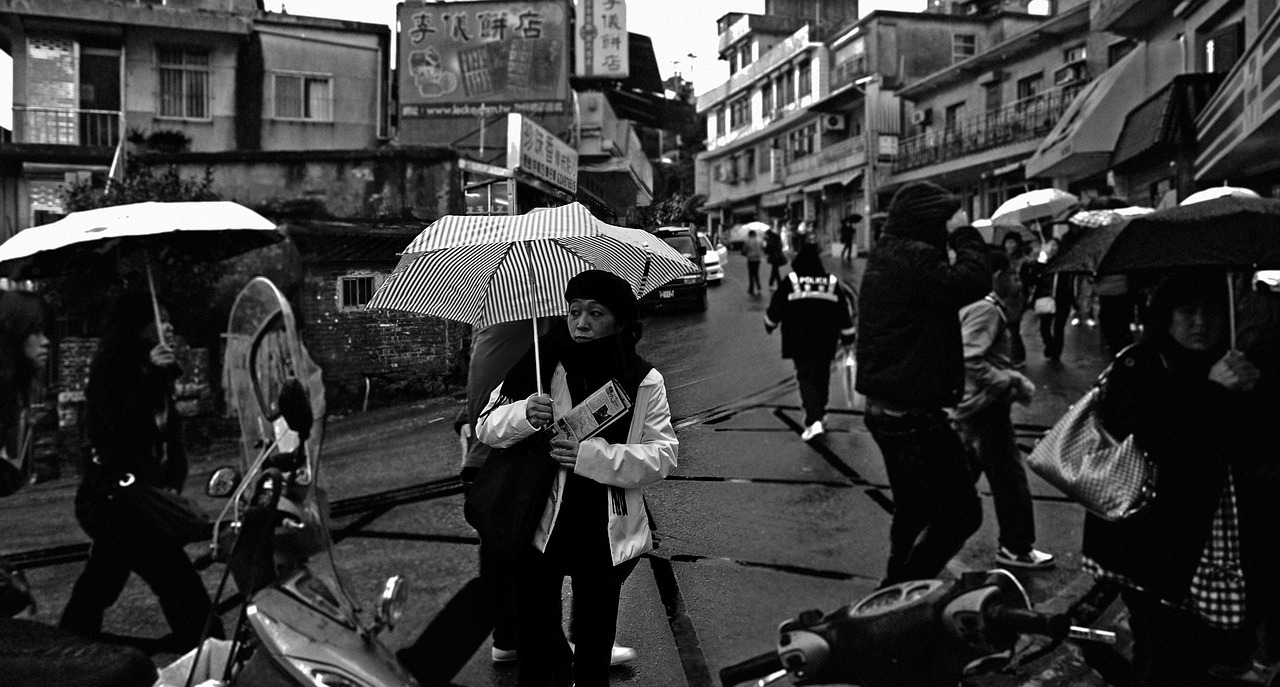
(601, 42)
(535, 151)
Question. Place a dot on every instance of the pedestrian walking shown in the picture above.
(848, 232)
(1188, 563)
(24, 350)
(1015, 302)
(910, 368)
(1053, 301)
(991, 387)
(753, 248)
(816, 313)
(134, 430)
(777, 258)
(1115, 312)
(594, 526)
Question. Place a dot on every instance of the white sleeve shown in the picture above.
(502, 425)
(635, 465)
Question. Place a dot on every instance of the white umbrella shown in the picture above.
(201, 231)
(1218, 192)
(1033, 205)
(489, 269)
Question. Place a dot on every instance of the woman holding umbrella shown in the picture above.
(594, 527)
(1188, 563)
(134, 429)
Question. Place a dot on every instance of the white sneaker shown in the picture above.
(1034, 559)
(502, 655)
(621, 654)
(812, 431)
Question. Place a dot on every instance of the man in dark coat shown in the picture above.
(815, 312)
(911, 368)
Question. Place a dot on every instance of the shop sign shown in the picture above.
(601, 43)
(470, 59)
(537, 152)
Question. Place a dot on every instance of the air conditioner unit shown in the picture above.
(922, 117)
(835, 122)
(993, 76)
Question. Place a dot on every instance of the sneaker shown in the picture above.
(1075, 321)
(1090, 322)
(503, 655)
(1033, 559)
(621, 654)
(813, 431)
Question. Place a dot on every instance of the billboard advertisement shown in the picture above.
(466, 59)
(535, 151)
(601, 48)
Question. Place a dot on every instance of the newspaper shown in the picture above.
(599, 410)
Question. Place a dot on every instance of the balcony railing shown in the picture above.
(850, 152)
(1023, 120)
(67, 126)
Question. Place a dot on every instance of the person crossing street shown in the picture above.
(816, 312)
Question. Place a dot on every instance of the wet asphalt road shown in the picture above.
(756, 525)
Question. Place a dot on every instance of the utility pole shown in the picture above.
(869, 86)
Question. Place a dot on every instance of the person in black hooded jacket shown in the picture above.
(911, 367)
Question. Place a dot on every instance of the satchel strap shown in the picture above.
(1101, 382)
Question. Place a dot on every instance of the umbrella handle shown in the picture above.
(155, 304)
(537, 355)
(1231, 309)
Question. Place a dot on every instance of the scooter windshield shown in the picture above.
(263, 355)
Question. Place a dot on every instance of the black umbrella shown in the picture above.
(1231, 233)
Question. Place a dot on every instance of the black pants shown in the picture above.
(814, 378)
(1172, 647)
(1053, 330)
(597, 586)
(935, 505)
(121, 548)
(1017, 348)
(989, 432)
(775, 277)
(753, 276)
(1114, 315)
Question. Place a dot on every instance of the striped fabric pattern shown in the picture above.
(477, 269)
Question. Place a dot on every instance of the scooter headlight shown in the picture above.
(327, 678)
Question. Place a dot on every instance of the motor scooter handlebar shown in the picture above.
(1027, 621)
(751, 669)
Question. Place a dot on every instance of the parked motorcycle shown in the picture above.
(298, 623)
(914, 634)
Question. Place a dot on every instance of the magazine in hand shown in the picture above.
(599, 410)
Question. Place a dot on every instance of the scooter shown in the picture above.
(298, 624)
(914, 634)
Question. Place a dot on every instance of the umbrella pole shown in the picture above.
(155, 304)
(537, 355)
(1231, 308)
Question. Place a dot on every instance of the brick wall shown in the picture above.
(400, 353)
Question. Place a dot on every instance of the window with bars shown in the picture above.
(739, 113)
(354, 293)
(303, 96)
(963, 46)
(806, 78)
(766, 99)
(184, 82)
(787, 87)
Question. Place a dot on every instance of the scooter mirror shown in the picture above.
(395, 595)
(223, 482)
(295, 407)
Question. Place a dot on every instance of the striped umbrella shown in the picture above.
(484, 270)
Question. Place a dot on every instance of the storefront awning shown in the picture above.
(1081, 143)
(837, 180)
(777, 198)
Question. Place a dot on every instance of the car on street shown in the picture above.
(714, 258)
(691, 289)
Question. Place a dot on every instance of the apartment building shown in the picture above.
(195, 75)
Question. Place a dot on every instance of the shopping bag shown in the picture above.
(848, 363)
(506, 501)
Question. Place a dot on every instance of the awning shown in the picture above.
(1080, 144)
(815, 188)
(837, 180)
(777, 198)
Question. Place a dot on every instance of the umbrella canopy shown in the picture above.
(1033, 205)
(1228, 232)
(1218, 192)
(201, 231)
(1103, 226)
(485, 270)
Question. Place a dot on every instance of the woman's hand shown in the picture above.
(537, 410)
(1235, 372)
(565, 451)
(162, 355)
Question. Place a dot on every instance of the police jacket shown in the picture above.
(910, 354)
(816, 313)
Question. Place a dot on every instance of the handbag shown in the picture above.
(506, 501)
(169, 514)
(1046, 305)
(1111, 479)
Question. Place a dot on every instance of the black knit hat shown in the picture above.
(606, 288)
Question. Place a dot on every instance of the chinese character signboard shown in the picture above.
(465, 59)
(602, 40)
(537, 152)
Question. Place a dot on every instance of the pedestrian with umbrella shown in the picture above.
(594, 527)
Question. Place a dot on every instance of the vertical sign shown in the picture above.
(602, 40)
(537, 152)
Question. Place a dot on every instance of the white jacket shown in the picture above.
(648, 457)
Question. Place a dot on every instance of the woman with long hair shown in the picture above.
(24, 351)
